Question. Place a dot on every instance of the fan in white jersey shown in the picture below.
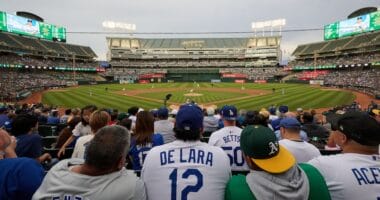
(355, 174)
(186, 168)
(228, 138)
(290, 129)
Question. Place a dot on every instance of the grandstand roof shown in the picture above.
(342, 44)
(173, 43)
(15, 42)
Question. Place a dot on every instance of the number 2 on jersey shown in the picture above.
(189, 188)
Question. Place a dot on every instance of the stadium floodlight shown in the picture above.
(119, 25)
(268, 24)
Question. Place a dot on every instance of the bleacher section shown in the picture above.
(355, 43)
(11, 42)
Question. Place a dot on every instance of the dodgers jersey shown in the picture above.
(350, 175)
(228, 138)
(186, 170)
(139, 152)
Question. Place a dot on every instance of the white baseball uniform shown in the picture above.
(228, 138)
(186, 170)
(350, 175)
(301, 150)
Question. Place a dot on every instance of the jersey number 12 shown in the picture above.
(190, 188)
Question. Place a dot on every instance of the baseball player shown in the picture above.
(186, 168)
(228, 138)
(355, 174)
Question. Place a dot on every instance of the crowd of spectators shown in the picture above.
(107, 141)
(363, 80)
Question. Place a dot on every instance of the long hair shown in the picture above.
(144, 128)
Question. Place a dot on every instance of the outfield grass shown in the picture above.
(295, 95)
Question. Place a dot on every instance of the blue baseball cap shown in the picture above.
(283, 109)
(189, 117)
(290, 122)
(229, 112)
(163, 112)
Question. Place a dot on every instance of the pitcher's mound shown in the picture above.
(192, 95)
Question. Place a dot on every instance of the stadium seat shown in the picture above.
(46, 130)
(48, 141)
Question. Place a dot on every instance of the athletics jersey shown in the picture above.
(350, 176)
(139, 152)
(186, 170)
(228, 138)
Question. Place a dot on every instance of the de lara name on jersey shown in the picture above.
(186, 155)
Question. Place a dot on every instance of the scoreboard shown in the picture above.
(353, 26)
(24, 26)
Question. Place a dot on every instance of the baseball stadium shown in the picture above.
(59, 100)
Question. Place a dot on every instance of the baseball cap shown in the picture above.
(358, 126)
(376, 111)
(272, 110)
(163, 112)
(290, 122)
(261, 145)
(189, 117)
(229, 112)
(283, 109)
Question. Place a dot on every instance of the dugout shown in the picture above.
(190, 75)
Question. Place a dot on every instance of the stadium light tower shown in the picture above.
(119, 26)
(268, 24)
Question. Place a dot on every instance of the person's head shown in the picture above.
(163, 113)
(210, 111)
(263, 152)
(356, 132)
(24, 124)
(133, 110)
(229, 115)
(108, 149)
(75, 111)
(98, 120)
(307, 117)
(144, 127)
(375, 113)
(86, 113)
(290, 128)
(127, 123)
(189, 123)
(54, 113)
(5, 141)
(67, 111)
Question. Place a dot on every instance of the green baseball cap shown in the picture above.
(261, 145)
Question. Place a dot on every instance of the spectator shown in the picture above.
(228, 138)
(98, 120)
(75, 112)
(274, 173)
(132, 111)
(210, 122)
(163, 126)
(317, 134)
(291, 139)
(143, 139)
(101, 175)
(67, 132)
(355, 173)
(3, 116)
(127, 123)
(19, 177)
(281, 114)
(65, 118)
(81, 129)
(186, 162)
(53, 118)
(29, 143)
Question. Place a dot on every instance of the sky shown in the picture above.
(188, 16)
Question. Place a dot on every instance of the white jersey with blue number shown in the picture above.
(186, 170)
(228, 138)
(350, 176)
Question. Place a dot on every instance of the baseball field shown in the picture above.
(244, 96)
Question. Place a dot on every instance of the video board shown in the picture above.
(353, 26)
(24, 26)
